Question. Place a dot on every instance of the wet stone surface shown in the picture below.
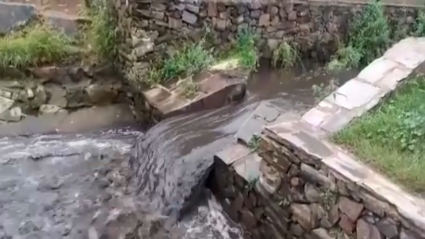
(13, 15)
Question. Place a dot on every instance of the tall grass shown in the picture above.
(34, 45)
(245, 49)
(420, 24)
(100, 34)
(190, 59)
(369, 37)
(285, 55)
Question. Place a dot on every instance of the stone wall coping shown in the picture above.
(349, 101)
(360, 94)
(346, 167)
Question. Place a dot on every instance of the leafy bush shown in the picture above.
(34, 45)
(285, 55)
(368, 38)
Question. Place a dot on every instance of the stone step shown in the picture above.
(164, 100)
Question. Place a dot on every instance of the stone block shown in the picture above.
(350, 208)
(321, 233)
(365, 230)
(391, 80)
(317, 115)
(388, 228)
(264, 20)
(346, 224)
(13, 15)
(314, 176)
(192, 8)
(212, 9)
(248, 167)
(174, 23)
(303, 215)
(189, 18)
(353, 94)
(376, 70)
(409, 52)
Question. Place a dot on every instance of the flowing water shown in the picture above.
(117, 182)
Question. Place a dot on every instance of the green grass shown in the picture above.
(100, 35)
(391, 137)
(420, 24)
(285, 55)
(192, 58)
(33, 45)
(245, 49)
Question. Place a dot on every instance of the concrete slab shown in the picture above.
(253, 126)
(353, 94)
(376, 70)
(409, 52)
(13, 15)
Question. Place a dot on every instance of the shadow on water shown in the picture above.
(55, 186)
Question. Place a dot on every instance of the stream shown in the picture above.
(122, 182)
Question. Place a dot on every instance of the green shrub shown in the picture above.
(245, 48)
(100, 33)
(34, 45)
(420, 24)
(285, 55)
(368, 38)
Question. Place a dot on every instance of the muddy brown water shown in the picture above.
(124, 183)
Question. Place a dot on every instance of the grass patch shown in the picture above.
(245, 49)
(192, 58)
(420, 24)
(368, 39)
(391, 137)
(100, 34)
(285, 55)
(33, 45)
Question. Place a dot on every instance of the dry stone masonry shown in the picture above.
(300, 185)
(150, 29)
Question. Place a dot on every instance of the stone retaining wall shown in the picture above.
(63, 89)
(149, 29)
(300, 185)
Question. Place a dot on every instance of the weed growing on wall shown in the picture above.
(189, 60)
(245, 48)
(368, 38)
(33, 45)
(420, 24)
(285, 55)
(100, 34)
